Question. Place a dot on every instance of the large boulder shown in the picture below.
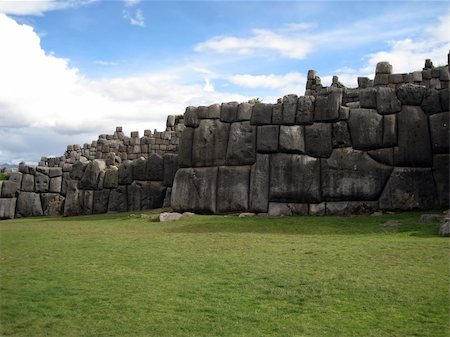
(244, 111)
(89, 181)
(72, 204)
(287, 209)
(54, 172)
(292, 139)
(134, 195)
(140, 169)
(411, 94)
(152, 195)
(55, 185)
(118, 199)
(7, 208)
(170, 168)
(28, 204)
(190, 117)
(232, 188)
(387, 102)
(289, 109)
(41, 182)
(368, 98)
(78, 169)
(126, 172)
(111, 179)
(27, 183)
(414, 146)
(352, 175)
(210, 143)
(52, 204)
(259, 184)
(440, 132)
(228, 112)
(341, 135)
(241, 148)
(185, 148)
(305, 113)
(262, 114)
(267, 139)
(431, 103)
(86, 201)
(409, 188)
(318, 140)
(389, 130)
(194, 189)
(441, 178)
(366, 129)
(294, 178)
(155, 167)
(100, 202)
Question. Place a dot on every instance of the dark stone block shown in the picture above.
(28, 204)
(352, 175)
(409, 188)
(185, 148)
(101, 199)
(244, 111)
(126, 172)
(318, 140)
(441, 178)
(440, 132)
(118, 199)
(262, 114)
(294, 178)
(411, 94)
(325, 107)
(89, 181)
(190, 117)
(170, 168)
(366, 129)
(41, 182)
(140, 169)
(111, 179)
(292, 139)
(155, 167)
(7, 208)
(73, 204)
(389, 130)
(241, 148)
(341, 136)
(444, 96)
(86, 201)
(152, 194)
(259, 184)
(277, 113)
(267, 139)
(210, 143)
(383, 156)
(287, 209)
(368, 98)
(289, 109)
(78, 170)
(232, 189)
(228, 112)
(347, 208)
(431, 103)
(387, 101)
(305, 113)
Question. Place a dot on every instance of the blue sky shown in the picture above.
(75, 69)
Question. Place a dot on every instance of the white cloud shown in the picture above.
(39, 7)
(285, 82)
(106, 63)
(136, 19)
(39, 91)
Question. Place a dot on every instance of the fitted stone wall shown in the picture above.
(383, 145)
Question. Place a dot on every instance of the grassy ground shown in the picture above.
(124, 275)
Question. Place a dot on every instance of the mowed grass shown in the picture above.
(125, 275)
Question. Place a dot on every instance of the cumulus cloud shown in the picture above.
(39, 7)
(287, 83)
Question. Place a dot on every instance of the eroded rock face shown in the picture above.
(232, 188)
(241, 148)
(439, 128)
(28, 204)
(441, 177)
(210, 143)
(259, 184)
(7, 208)
(366, 129)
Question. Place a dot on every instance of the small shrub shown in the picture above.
(4, 176)
(255, 100)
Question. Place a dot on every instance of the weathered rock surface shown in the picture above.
(52, 204)
(241, 148)
(118, 199)
(259, 184)
(262, 114)
(7, 208)
(111, 179)
(305, 113)
(292, 139)
(27, 183)
(185, 149)
(41, 182)
(126, 172)
(431, 103)
(387, 102)
(228, 112)
(318, 140)
(155, 168)
(341, 135)
(411, 94)
(89, 181)
(351, 207)
(101, 199)
(232, 188)
(166, 216)
(267, 138)
(440, 132)
(366, 129)
(287, 209)
(289, 109)
(28, 204)
(210, 143)
(244, 112)
(441, 177)
(170, 168)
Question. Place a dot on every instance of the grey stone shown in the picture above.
(232, 188)
(228, 112)
(267, 138)
(172, 216)
(241, 148)
(27, 183)
(89, 181)
(277, 113)
(194, 189)
(65, 182)
(42, 169)
(444, 74)
(7, 208)
(167, 197)
(327, 107)
(381, 79)
(366, 129)
(426, 218)
(41, 182)
(259, 184)
(289, 109)
(318, 140)
(353, 105)
(440, 132)
(387, 101)
(344, 113)
(363, 82)
(126, 172)
(55, 185)
(287, 209)
(118, 199)
(383, 68)
(52, 204)
(441, 178)
(444, 96)
(396, 78)
(28, 204)
(411, 94)
(414, 146)
(134, 192)
(210, 143)
(155, 167)
(431, 103)
(351, 207)
(185, 148)
(170, 168)
(352, 175)
(111, 179)
(262, 114)
(54, 172)
(311, 74)
(292, 139)
(409, 188)
(305, 113)
(383, 156)
(368, 98)
(78, 170)
(341, 136)
(190, 117)
(244, 111)
(317, 209)
(246, 214)
(86, 201)
(170, 122)
(389, 130)
(294, 178)
(152, 194)
(100, 201)
(444, 228)
(140, 169)
(72, 204)
(214, 111)
(202, 112)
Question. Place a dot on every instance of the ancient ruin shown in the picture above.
(381, 146)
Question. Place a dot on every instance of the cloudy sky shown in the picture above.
(70, 70)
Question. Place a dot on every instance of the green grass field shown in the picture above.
(126, 275)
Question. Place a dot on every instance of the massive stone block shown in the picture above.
(352, 175)
(210, 143)
(441, 178)
(28, 204)
(126, 172)
(78, 170)
(140, 169)
(10, 189)
(259, 184)
(55, 185)
(54, 172)
(292, 139)
(414, 146)
(72, 205)
(89, 181)
(190, 117)
(327, 107)
(194, 189)
(86, 201)
(318, 140)
(134, 196)
(289, 109)
(431, 103)
(277, 113)
(294, 178)
(185, 148)
(170, 168)
(27, 183)
(52, 203)
(152, 195)
(287, 209)
(111, 179)
(155, 167)
(409, 188)
(305, 113)
(445, 99)
(232, 189)
(228, 112)
(440, 132)
(387, 101)
(341, 135)
(244, 111)
(41, 182)
(101, 198)
(366, 129)
(411, 94)
(262, 114)
(267, 139)
(241, 148)
(118, 199)
(368, 98)
(65, 182)
(7, 208)
(389, 130)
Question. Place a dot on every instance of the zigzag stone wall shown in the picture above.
(383, 145)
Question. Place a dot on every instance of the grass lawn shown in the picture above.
(124, 275)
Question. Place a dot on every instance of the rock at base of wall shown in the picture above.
(351, 207)
(52, 204)
(259, 184)
(287, 209)
(152, 195)
(317, 209)
(439, 129)
(118, 199)
(166, 202)
(155, 167)
(170, 168)
(409, 188)
(441, 178)
(7, 208)
(194, 189)
(101, 199)
(232, 189)
(28, 204)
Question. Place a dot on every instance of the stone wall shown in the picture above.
(383, 145)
